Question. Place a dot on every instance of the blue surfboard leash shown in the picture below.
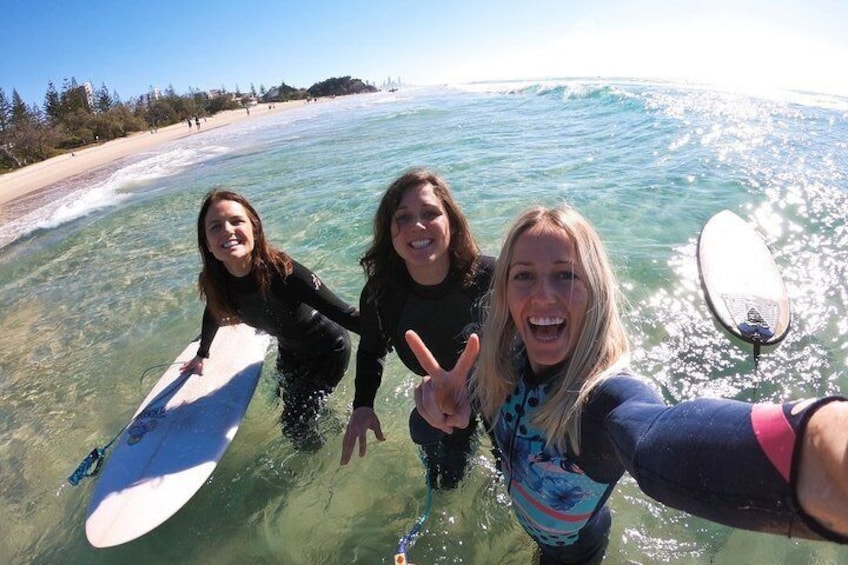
(407, 541)
(98, 454)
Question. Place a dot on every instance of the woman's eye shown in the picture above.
(567, 275)
(402, 219)
(431, 214)
(522, 276)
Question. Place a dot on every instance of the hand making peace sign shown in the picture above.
(442, 396)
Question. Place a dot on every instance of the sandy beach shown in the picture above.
(38, 176)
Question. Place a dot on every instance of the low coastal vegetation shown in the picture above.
(78, 115)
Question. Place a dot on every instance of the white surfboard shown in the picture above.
(176, 438)
(741, 281)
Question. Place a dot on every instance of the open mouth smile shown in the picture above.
(546, 328)
(420, 243)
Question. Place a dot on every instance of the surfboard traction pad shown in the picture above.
(754, 316)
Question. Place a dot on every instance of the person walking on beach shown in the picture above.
(570, 416)
(425, 272)
(245, 279)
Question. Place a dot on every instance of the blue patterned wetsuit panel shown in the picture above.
(552, 497)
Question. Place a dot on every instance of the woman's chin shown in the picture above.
(543, 357)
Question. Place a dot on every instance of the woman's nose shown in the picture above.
(543, 292)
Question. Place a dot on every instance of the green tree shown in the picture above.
(20, 112)
(8, 159)
(30, 139)
(5, 113)
(103, 100)
(36, 139)
(128, 121)
(160, 113)
(73, 98)
(221, 103)
(78, 130)
(52, 103)
(200, 100)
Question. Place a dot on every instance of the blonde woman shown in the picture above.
(570, 418)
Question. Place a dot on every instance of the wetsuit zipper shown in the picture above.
(518, 417)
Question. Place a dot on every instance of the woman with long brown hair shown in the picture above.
(424, 272)
(245, 279)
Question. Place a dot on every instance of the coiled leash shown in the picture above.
(407, 541)
(98, 454)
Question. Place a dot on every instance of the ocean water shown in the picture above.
(97, 284)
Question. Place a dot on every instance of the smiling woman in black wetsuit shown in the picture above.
(425, 272)
(245, 279)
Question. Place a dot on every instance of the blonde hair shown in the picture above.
(602, 347)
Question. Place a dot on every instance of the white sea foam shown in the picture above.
(577, 86)
(165, 164)
(86, 194)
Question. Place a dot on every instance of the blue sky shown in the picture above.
(131, 46)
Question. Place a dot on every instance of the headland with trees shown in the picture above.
(76, 115)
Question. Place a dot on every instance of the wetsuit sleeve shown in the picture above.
(311, 290)
(208, 330)
(731, 462)
(370, 355)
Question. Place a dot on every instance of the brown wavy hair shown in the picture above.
(266, 260)
(382, 264)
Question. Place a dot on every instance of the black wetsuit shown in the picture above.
(444, 315)
(731, 462)
(309, 322)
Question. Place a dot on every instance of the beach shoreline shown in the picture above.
(31, 179)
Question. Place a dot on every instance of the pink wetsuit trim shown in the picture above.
(775, 436)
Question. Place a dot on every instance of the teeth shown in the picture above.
(539, 321)
(231, 243)
(419, 243)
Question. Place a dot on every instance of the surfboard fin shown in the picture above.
(755, 327)
(756, 330)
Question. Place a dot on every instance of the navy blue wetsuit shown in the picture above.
(309, 322)
(444, 315)
(728, 461)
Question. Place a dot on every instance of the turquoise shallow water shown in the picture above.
(97, 283)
